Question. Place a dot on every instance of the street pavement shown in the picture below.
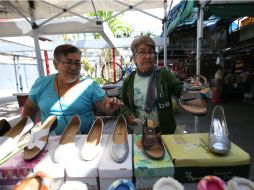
(8, 107)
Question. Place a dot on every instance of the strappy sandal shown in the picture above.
(193, 103)
(39, 139)
(151, 141)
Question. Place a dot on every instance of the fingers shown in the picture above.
(116, 101)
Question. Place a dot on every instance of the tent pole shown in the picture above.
(36, 43)
(19, 74)
(15, 69)
(199, 38)
(165, 35)
(114, 63)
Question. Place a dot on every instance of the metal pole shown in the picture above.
(37, 44)
(165, 35)
(15, 69)
(19, 74)
(199, 38)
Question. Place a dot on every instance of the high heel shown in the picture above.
(218, 141)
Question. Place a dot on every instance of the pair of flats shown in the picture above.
(89, 150)
(9, 141)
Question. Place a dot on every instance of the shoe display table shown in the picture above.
(193, 159)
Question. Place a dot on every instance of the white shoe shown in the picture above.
(167, 183)
(10, 140)
(238, 183)
(91, 148)
(66, 147)
(74, 185)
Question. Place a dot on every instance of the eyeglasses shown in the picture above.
(70, 63)
(144, 53)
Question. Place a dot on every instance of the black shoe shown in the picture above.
(4, 127)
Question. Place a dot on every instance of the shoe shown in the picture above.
(78, 185)
(211, 183)
(121, 184)
(151, 141)
(66, 145)
(119, 147)
(39, 139)
(237, 183)
(193, 103)
(197, 83)
(10, 140)
(218, 141)
(4, 127)
(167, 183)
(92, 147)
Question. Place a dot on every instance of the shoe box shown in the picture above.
(193, 159)
(85, 171)
(16, 168)
(146, 170)
(110, 171)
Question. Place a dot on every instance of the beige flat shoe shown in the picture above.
(66, 146)
(91, 147)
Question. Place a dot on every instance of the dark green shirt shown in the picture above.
(166, 85)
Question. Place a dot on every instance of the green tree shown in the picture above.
(118, 27)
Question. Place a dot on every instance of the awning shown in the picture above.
(32, 10)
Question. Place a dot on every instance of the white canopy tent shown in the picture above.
(42, 18)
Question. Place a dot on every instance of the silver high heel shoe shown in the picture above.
(218, 141)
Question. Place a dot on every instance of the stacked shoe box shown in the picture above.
(109, 170)
(146, 170)
(193, 159)
(85, 171)
(16, 168)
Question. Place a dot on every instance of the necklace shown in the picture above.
(59, 100)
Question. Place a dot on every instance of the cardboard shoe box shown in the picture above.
(17, 168)
(110, 170)
(85, 171)
(146, 170)
(193, 159)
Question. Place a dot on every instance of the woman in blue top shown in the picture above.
(66, 93)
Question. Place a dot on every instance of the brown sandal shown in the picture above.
(193, 103)
(151, 141)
